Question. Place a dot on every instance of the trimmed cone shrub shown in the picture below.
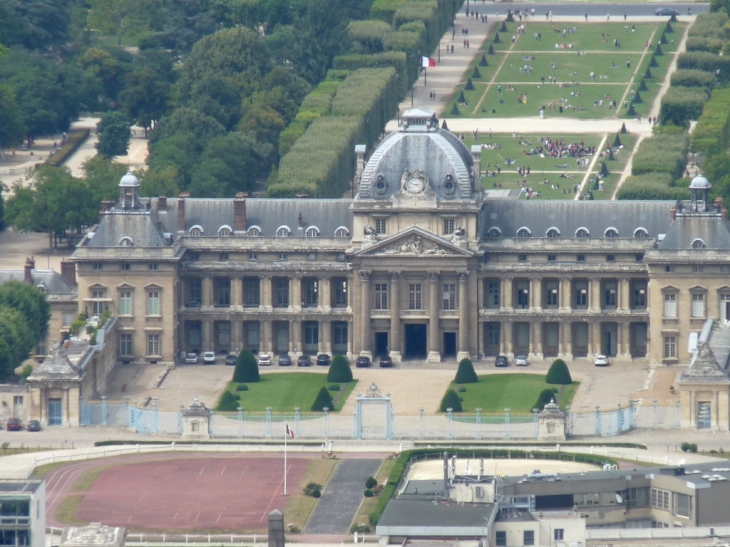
(642, 85)
(476, 73)
(469, 86)
(491, 50)
(623, 128)
(546, 395)
(443, 123)
(668, 28)
(228, 402)
(617, 140)
(483, 61)
(658, 51)
(611, 157)
(648, 75)
(466, 373)
(559, 373)
(324, 399)
(653, 63)
(462, 99)
(672, 19)
(637, 98)
(510, 17)
(247, 369)
(451, 400)
(663, 39)
(496, 39)
(340, 370)
(503, 28)
(455, 110)
(604, 169)
(631, 111)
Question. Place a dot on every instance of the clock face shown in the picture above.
(415, 185)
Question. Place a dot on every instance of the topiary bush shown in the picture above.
(313, 490)
(466, 374)
(451, 400)
(617, 141)
(368, 493)
(227, 402)
(340, 370)
(496, 39)
(642, 86)
(490, 51)
(241, 387)
(693, 78)
(334, 387)
(546, 395)
(462, 98)
(483, 61)
(469, 85)
(558, 373)
(247, 369)
(475, 73)
(455, 110)
(323, 400)
(652, 186)
(371, 482)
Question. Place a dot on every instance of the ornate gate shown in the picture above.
(373, 415)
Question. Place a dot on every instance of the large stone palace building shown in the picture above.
(422, 263)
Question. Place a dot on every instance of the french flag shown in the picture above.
(289, 432)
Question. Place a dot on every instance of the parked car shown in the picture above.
(665, 11)
(323, 360)
(14, 424)
(231, 359)
(601, 361)
(501, 361)
(264, 359)
(34, 425)
(304, 361)
(362, 362)
(284, 360)
(191, 358)
(386, 361)
(209, 358)
(521, 361)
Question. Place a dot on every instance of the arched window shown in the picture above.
(283, 231)
(224, 231)
(342, 232)
(126, 242)
(196, 231)
(524, 232)
(640, 232)
(699, 244)
(610, 232)
(254, 231)
(312, 231)
(494, 232)
(582, 232)
(553, 232)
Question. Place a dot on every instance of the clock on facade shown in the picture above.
(415, 185)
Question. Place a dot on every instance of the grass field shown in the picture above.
(362, 519)
(287, 391)
(518, 392)
(299, 507)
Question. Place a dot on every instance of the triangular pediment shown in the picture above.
(414, 242)
(125, 285)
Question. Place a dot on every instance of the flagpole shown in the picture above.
(286, 434)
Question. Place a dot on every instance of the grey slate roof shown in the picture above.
(140, 226)
(417, 513)
(568, 216)
(52, 281)
(686, 229)
(267, 214)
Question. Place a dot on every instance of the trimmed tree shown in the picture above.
(490, 51)
(658, 51)
(476, 73)
(469, 85)
(642, 86)
(604, 173)
(637, 98)
(617, 140)
(546, 395)
(611, 157)
(247, 369)
(663, 39)
(672, 19)
(623, 128)
(455, 110)
(668, 29)
(228, 402)
(653, 63)
(466, 373)
(631, 111)
(648, 75)
(483, 61)
(496, 39)
(323, 400)
(451, 400)
(558, 373)
(443, 124)
(462, 98)
(340, 370)
(503, 28)
(510, 17)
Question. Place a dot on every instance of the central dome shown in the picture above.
(419, 145)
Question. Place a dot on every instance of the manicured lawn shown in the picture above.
(518, 392)
(285, 391)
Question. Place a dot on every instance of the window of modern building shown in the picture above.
(448, 226)
(153, 344)
(528, 537)
(684, 505)
(380, 226)
(698, 305)
(414, 296)
(660, 499)
(449, 296)
(381, 296)
(558, 534)
(153, 304)
(125, 345)
(125, 303)
(500, 538)
(670, 349)
(637, 497)
(670, 304)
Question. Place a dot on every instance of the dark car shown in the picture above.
(362, 362)
(34, 425)
(14, 424)
(665, 11)
(304, 361)
(284, 360)
(231, 359)
(501, 361)
(323, 360)
(386, 362)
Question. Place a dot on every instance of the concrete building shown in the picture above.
(22, 513)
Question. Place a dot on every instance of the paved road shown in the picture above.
(579, 8)
(340, 501)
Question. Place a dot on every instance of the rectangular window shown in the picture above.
(253, 256)
(341, 293)
(697, 269)
(224, 292)
(98, 266)
(637, 497)
(610, 258)
(552, 258)
(558, 534)
(153, 344)
(522, 258)
(449, 296)
(311, 333)
(668, 269)
(282, 256)
(639, 257)
(581, 258)
(414, 296)
(528, 537)
(126, 266)
(125, 345)
(194, 289)
(493, 332)
(68, 318)
(381, 296)
(125, 303)
(660, 499)
(523, 298)
(17, 400)
(448, 226)
(551, 297)
(670, 305)
(684, 505)
(253, 291)
(153, 303)
(670, 347)
(153, 266)
(609, 297)
(640, 298)
(339, 334)
(380, 226)
(698, 304)
(282, 293)
(493, 294)
(500, 538)
(311, 293)
(97, 308)
(223, 257)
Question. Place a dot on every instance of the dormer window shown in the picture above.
(640, 232)
(196, 231)
(283, 231)
(699, 244)
(312, 231)
(342, 232)
(582, 232)
(126, 242)
(254, 231)
(553, 232)
(494, 232)
(225, 231)
(610, 232)
(524, 232)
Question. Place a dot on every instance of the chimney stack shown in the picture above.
(181, 211)
(68, 272)
(239, 212)
(162, 203)
(673, 213)
(29, 267)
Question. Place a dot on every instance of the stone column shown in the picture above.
(591, 347)
(463, 352)
(350, 338)
(625, 338)
(266, 289)
(716, 410)
(625, 294)
(207, 288)
(325, 337)
(325, 294)
(566, 340)
(507, 294)
(295, 337)
(395, 335)
(434, 353)
(237, 292)
(508, 347)
(207, 335)
(236, 335)
(537, 340)
(693, 409)
(266, 340)
(594, 300)
(565, 295)
(536, 294)
(365, 301)
(295, 282)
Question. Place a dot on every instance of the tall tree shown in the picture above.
(146, 98)
(35, 24)
(29, 301)
(16, 341)
(113, 131)
(12, 127)
(101, 176)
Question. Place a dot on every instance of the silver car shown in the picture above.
(191, 358)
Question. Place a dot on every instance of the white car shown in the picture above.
(191, 358)
(521, 360)
(264, 359)
(209, 358)
(601, 361)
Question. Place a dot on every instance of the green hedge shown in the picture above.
(698, 43)
(702, 60)
(693, 78)
(290, 135)
(367, 36)
(663, 153)
(654, 186)
(712, 132)
(397, 59)
(682, 104)
(335, 75)
(709, 25)
(385, 9)
(73, 140)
